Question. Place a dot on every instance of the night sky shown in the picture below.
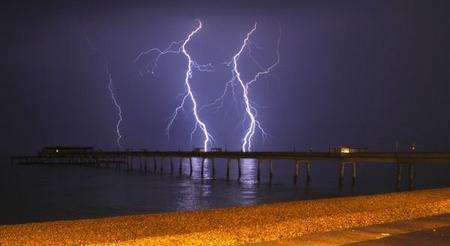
(363, 73)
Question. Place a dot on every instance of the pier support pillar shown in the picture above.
(399, 174)
(353, 173)
(161, 168)
(297, 169)
(308, 172)
(258, 171)
(341, 173)
(171, 165)
(202, 168)
(228, 168)
(180, 166)
(190, 166)
(131, 163)
(239, 168)
(213, 168)
(270, 171)
(411, 175)
(145, 164)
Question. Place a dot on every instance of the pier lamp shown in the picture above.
(345, 150)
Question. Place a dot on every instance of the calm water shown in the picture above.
(42, 193)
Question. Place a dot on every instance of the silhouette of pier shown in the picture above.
(158, 161)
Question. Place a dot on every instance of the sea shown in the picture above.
(37, 193)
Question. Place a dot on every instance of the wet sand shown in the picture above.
(238, 225)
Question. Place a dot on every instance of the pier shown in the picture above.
(160, 161)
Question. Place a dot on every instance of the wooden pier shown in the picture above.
(148, 160)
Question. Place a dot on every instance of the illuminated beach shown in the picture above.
(238, 225)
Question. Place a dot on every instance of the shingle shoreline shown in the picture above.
(237, 225)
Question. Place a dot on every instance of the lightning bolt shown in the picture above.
(180, 47)
(250, 110)
(111, 91)
(272, 66)
(236, 78)
(219, 101)
(169, 50)
(117, 106)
